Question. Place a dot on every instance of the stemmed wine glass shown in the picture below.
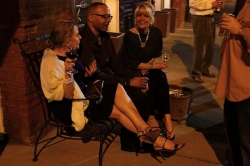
(143, 73)
(165, 58)
(72, 54)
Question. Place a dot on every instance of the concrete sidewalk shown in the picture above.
(203, 131)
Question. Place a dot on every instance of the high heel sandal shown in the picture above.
(165, 133)
(176, 148)
(151, 136)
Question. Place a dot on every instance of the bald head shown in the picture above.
(93, 8)
(98, 17)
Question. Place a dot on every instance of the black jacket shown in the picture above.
(108, 62)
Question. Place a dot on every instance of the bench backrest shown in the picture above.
(33, 61)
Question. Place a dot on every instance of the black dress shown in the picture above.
(62, 109)
(133, 54)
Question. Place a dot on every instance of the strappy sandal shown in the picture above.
(176, 148)
(150, 134)
(165, 133)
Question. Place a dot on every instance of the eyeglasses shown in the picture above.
(105, 16)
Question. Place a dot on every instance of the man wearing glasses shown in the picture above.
(98, 53)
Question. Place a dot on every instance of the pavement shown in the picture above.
(202, 131)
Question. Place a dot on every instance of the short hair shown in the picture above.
(145, 8)
(61, 31)
(93, 6)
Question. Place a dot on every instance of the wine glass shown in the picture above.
(144, 74)
(72, 54)
(165, 58)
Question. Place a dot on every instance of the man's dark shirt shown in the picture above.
(110, 67)
(108, 62)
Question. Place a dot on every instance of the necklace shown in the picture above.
(143, 44)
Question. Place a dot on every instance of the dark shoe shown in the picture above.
(151, 134)
(169, 134)
(165, 133)
(176, 148)
(198, 79)
(208, 74)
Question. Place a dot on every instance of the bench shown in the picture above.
(100, 130)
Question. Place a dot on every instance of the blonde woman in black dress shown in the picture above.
(142, 44)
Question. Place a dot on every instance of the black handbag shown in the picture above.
(93, 91)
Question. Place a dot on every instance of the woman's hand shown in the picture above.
(230, 23)
(69, 64)
(91, 69)
(68, 85)
(151, 60)
(160, 65)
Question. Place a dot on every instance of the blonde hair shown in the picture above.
(61, 32)
(147, 9)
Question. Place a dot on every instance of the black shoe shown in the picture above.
(198, 79)
(208, 74)
(129, 144)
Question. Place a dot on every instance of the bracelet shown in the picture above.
(240, 32)
(151, 66)
(68, 81)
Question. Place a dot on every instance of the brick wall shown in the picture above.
(26, 20)
(180, 5)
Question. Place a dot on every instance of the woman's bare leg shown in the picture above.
(125, 122)
(152, 121)
(125, 105)
(127, 114)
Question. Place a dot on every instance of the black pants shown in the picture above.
(144, 102)
(61, 110)
(161, 93)
(237, 122)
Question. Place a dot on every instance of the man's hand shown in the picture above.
(216, 3)
(230, 23)
(139, 82)
(222, 3)
(91, 69)
(144, 90)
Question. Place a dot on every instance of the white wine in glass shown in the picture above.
(165, 58)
